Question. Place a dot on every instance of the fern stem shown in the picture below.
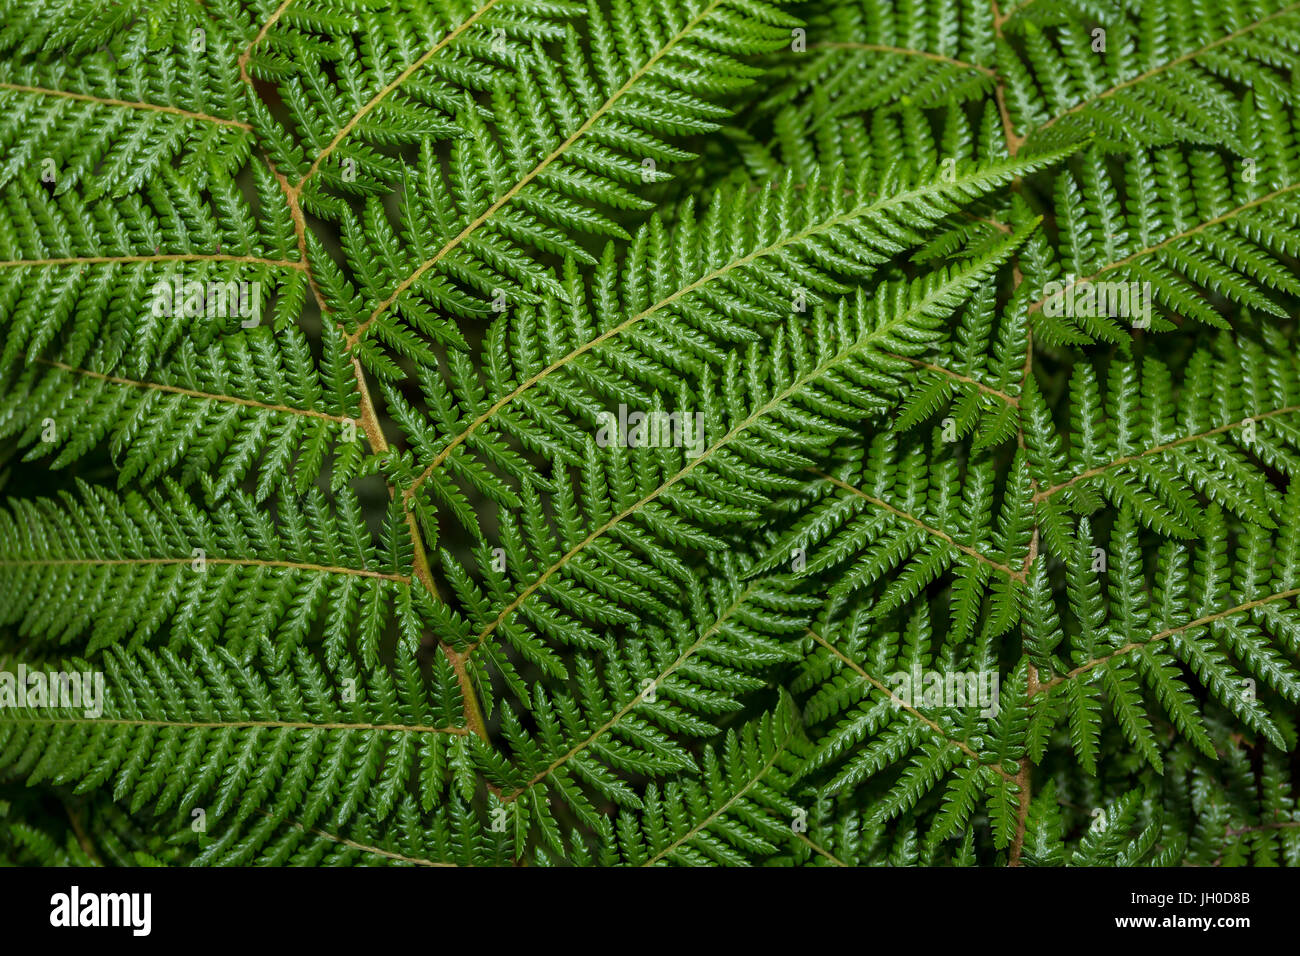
(627, 708)
(238, 562)
(192, 393)
(165, 257)
(419, 557)
(820, 850)
(694, 463)
(1014, 141)
(1177, 61)
(1023, 782)
(1166, 634)
(363, 847)
(125, 104)
(1151, 250)
(721, 272)
(912, 519)
(83, 840)
(1161, 449)
(1011, 400)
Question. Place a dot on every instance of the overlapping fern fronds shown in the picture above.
(967, 532)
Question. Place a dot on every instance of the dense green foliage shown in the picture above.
(969, 535)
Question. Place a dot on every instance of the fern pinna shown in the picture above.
(707, 432)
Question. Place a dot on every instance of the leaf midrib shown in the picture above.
(761, 411)
(667, 672)
(125, 104)
(1161, 449)
(235, 562)
(857, 212)
(1185, 234)
(704, 824)
(197, 394)
(236, 725)
(1177, 61)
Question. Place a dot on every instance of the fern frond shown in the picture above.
(633, 509)
(125, 279)
(1143, 445)
(247, 404)
(122, 568)
(1125, 256)
(232, 754)
(734, 812)
(102, 123)
(655, 432)
(750, 259)
(623, 718)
